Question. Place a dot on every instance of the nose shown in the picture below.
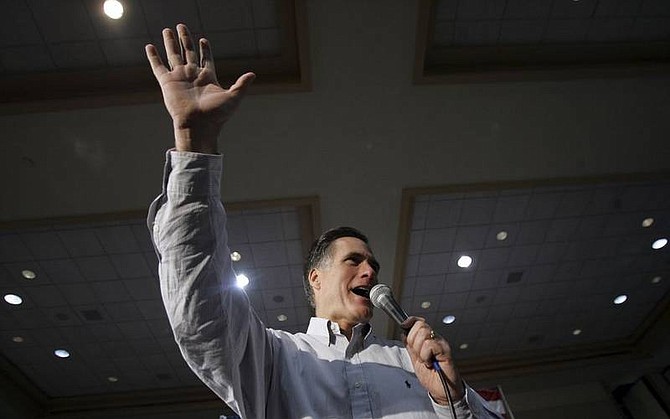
(366, 270)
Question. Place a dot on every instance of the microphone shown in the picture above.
(382, 298)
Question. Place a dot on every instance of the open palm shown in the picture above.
(198, 105)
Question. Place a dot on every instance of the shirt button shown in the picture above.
(357, 385)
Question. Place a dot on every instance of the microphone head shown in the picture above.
(377, 294)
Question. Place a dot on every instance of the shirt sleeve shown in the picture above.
(218, 333)
(471, 406)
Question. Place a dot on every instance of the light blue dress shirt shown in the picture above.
(261, 372)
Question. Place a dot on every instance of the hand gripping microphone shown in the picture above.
(382, 298)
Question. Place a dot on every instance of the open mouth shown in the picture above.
(362, 291)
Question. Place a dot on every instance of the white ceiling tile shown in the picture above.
(525, 309)
(523, 9)
(265, 13)
(17, 25)
(269, 254)
(273, 277)
(476, 32)
(134, 329)
(291, 223)
(45, 296)
(494, 258)
(132, 265)
(562, 229)
(591, 226)
(507, 295)
(551, 253)
(142, 288)
(567, 30)
(442, 214)
(458, 282)
(539, 273)
(477, 211)
(510, 208)
(610, 8)
(79, 55)
(416, 239)
(451, 302)
(277, 298)
(522, 31)
(523, 255)
(428, 285)
(235, 44)
(62, 271)
(469, 238)
(226, 15)
(13, 249)
(412, 266)
(117, 239)
(44, 245)
(265, 227)
(610, 29)
(62, 316)
(124, 52)
(237, 230)
(573, 9)
(486, 280)
(294, 252)
(473, 315)
(573, 203)
(110, 291)
(122, 311)
(78, 294)
(63, 20)
(438, 240)
(532, 232)
(269, 42)
(168, 13)
(436, 263)
(141, 233)
(81, 242)
(24, 59)
(97, 268)
(480, 9)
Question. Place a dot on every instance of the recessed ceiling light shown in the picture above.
(449, 319)
(647, 222)
(464, 261)
(464, 346)
(659, 243)
(112, 379)
(13, 299)
(18, 339)
(656, 279)
(620, 299)
(502, 235)
(235, 256)
(425, 304)
(113, 9)
(28, 274)
(577, 332)
(62, 353)
(242, 281)
(282, 317)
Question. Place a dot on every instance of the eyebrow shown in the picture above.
(371, 259)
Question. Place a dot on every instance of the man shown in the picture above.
(339, 368)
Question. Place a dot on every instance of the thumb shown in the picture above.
(242, 83)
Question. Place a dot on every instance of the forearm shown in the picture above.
(211, 318)
(471, 406)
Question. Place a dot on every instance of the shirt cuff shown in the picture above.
(193, 174)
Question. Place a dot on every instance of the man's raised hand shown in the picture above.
(198, 105)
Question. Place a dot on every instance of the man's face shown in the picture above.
(349, 269)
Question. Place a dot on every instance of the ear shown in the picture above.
(315, 278)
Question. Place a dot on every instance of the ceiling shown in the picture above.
(340, 132)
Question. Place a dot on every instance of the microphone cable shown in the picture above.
(445, 385)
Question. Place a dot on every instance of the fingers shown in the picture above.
(242, 83)
(422, 342)
(206, 58)
(172, 48)
(157, 65)
(186, 43)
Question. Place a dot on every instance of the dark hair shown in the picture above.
(320, 251)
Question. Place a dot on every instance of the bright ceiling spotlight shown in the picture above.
(28, 274)
(464, 261)
(647, 222)
(113, 9)
(659, 243)
(242, 281)
(112, 379)
(18, 339)
(61, 353)
(620, 299)
(449, 319)
(656, 279)
(464, 346)
(577, 332)
(425, 304)
(502, 235)
(282, 317)
(13, 299)
(235, 256)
